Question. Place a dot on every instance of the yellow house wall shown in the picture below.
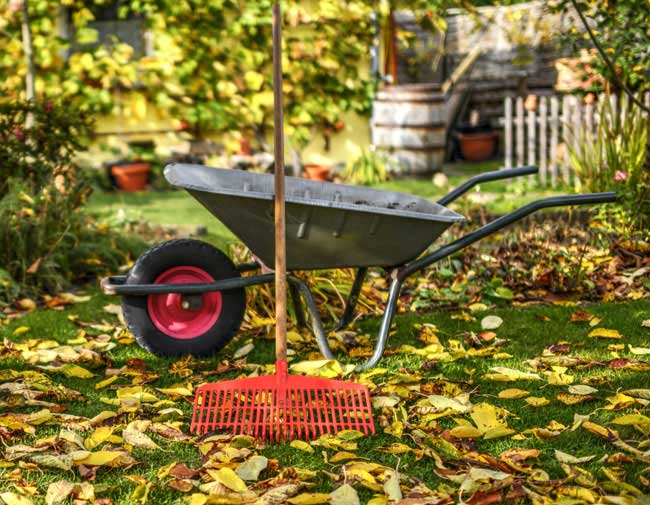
(135, 120)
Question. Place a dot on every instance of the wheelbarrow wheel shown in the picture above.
(162, 323)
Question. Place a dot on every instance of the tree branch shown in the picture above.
(618, 81)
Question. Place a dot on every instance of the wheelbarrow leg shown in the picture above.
(301, 322)
(350, 305)
(316, 322)
(384, 329)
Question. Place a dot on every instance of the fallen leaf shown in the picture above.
(251, 468)
(230, 479)
(535, 401)
(563, 457)
(639, 350)
(605, 333)
(491, 322)
(513, 394)
(344, 495)
(580, 316)
(10, 498)
(392, 488)
(26, 304)
(136, 438)
(309, 499)
(301, 446)
(580, 389)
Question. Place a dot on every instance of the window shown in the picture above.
(109, 26)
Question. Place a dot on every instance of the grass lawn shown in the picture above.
(479, 443)
(527, 333)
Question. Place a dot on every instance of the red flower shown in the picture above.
(49, 106)
(620, 176)
(20, 135)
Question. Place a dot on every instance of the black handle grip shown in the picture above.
(487, 177)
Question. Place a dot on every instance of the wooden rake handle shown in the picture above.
(280, 227)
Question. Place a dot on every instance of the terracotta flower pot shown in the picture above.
(477, 146)
(132, 177)
(317, 172)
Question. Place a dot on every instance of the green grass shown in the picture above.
(528, 330)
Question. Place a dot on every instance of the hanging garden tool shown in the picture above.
(281, 406)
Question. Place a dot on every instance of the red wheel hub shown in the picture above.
(171, 318)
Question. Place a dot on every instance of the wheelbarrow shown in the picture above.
(186, 297)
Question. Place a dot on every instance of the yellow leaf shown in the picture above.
(26, 304)
(309, 499)
(513, 394)
(345, 495)
(633, 419)
(486, 418)
(105, 458)
(535, 401)
(179, 391)
(349, 434)
(21, 329)
(604, 333)
(136, 438)
(342, 456)
(601, 431)
(465, 432)
(563, 457)
(504, 374)
(559, 379)
(460, 404)
(639, 350)
(583, 494)
(15, 499)
(72, 370)
(580, 389)
(391, 487)
(301, 446)
(106, 382)
(251, 469)
(498, 432)
(229, 479)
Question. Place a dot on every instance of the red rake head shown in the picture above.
(282, 406)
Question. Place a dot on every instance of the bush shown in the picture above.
(46, 241)
(615, 158)
(370, 167)
(42, 153)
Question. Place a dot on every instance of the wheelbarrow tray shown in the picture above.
(328, 225)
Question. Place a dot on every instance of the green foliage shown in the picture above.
(371, 167)
(623, 29)
(212, 61)
(43, 152)
(82, 73)
(615, 157)
(46, 240)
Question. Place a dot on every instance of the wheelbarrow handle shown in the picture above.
(401, 274)
(502, 222)
(487, 177)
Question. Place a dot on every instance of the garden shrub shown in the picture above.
(615, 158)
(46, 240)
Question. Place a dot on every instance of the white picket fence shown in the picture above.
(538, 134)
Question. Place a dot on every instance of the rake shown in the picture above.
(281, 406)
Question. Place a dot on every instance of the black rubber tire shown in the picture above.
(176, 253)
